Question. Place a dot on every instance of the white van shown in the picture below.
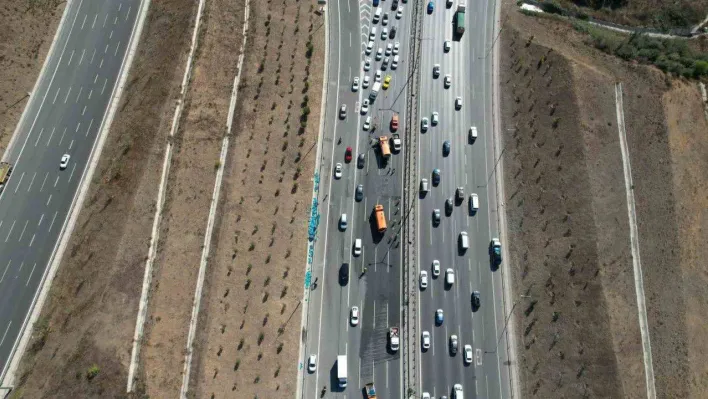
(473, 134)
(449, 276)
(372, 34)
(377, 15)
(457, 390)
(474, 202)
(464, 241)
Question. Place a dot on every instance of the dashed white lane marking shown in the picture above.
(42, 188)
(55, 216)
(71, 144)
(92, 56)
(23, 231)
(56, 181)
(120, 6)
(89, 127)
(94, 21)
(40, 220)
(32, 241)
(81, 89)
(20, 182)
(62, 136)
(6, 330)
(90, 93)
(115, 53)
(67, 95)
(71, 57)
(31, 182)
(101, 64)
(10, 232)
(83, 52)
(56, 95)
(38, 137)
(6, 267)
(105, 50)
(127, 14)
(72, 172)
(104, 21)
(104, 82)
(110, 36)
(83, 111)
(78, 125)
(31, 273)
(48, 200)
(115, 21)
(95, 79)
(84, 22)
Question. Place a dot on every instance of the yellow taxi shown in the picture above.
(387, 82)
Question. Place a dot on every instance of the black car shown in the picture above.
(475, 301)
(344, 274)
(448, 206)
(446, 148)
(436, 217)
(392, 34)
(360, 161)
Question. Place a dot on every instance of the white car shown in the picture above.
(425, 396)
(473, 133)
(312, 363)
(435, 118)
(394, 64)
(423, 279)
(468, 354)
(458, 103)
(367, 64)
(457, 390)
(365, 82)
(354, 317)
(64, 161)
(384, 33)
(426, 340)
(338, 171)
(379, 54)
(367, 123)
(449, 276)
(396, 48)
(377, 76)
(389, 48)
(448, 81)
(343, 222)
(365, 106)
(436, 268)
(355, 84)
(399, 13)
(424, 124)
(357, 247)
(447, 45)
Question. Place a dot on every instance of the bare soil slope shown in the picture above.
(659, 14)
(568, 218)
(28, 28)
(250, 326)
(89, 317)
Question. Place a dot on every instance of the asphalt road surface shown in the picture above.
(376, 292)
(64, 116)
(468, 165)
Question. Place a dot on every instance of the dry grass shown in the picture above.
(568, 217)
(89, 318)
(27, 31)
(251, 321)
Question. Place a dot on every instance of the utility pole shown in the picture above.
(506, 322)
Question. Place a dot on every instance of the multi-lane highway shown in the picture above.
(468, 165)
(65, 114)
(374, 283)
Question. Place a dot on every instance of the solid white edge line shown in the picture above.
(186, 372)
(74, 210)
(155, 236)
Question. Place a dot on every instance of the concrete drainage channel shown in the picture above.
(155, 237)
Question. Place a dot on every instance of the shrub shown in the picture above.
(92, 372)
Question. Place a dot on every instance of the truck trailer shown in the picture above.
(342, 370)
(460, 18)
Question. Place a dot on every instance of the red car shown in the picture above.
(394, 122)
(348, 155)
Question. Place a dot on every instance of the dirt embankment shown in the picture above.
(189, 191)
(568, 220)
(89, 317)
(249, 331)
(28, 28)
(658, 14)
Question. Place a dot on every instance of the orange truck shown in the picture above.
(380, 218)
(385, 149)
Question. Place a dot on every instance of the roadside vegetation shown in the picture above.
(673, 56)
